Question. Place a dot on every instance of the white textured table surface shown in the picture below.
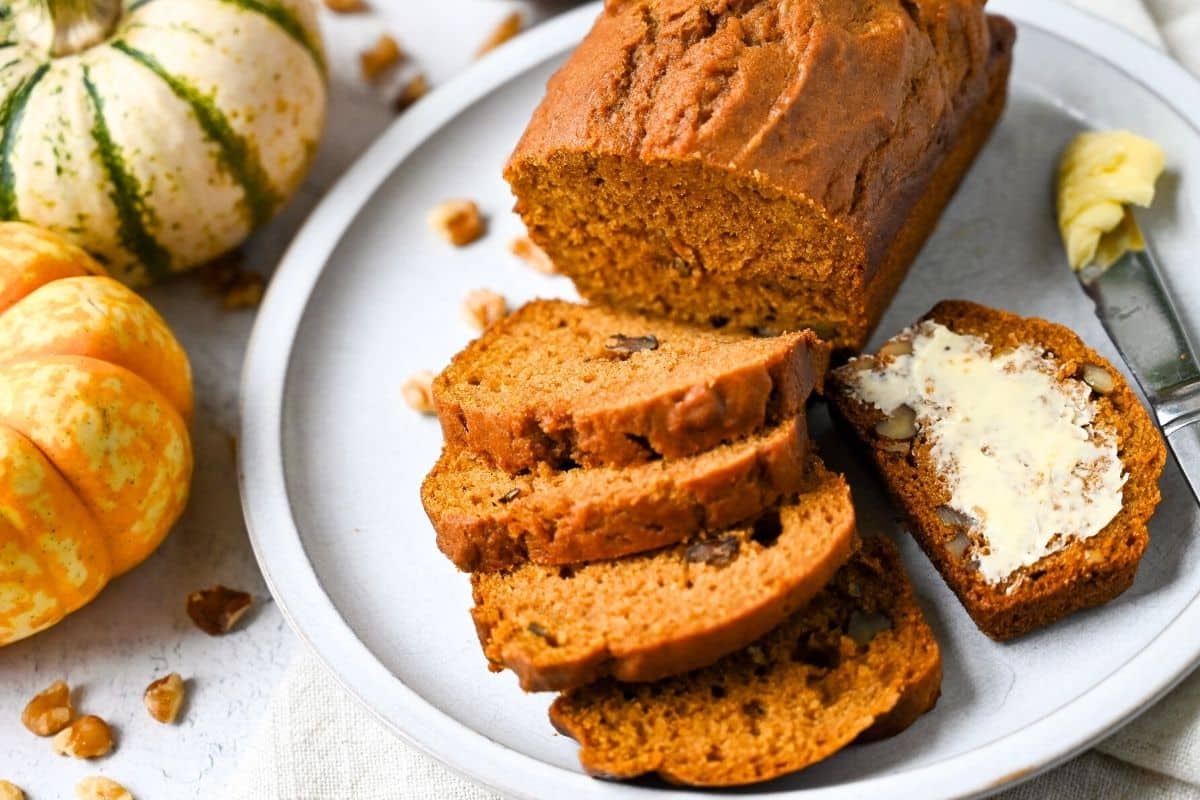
(137, 629)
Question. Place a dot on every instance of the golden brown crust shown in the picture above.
(648, 616)
(1083, 574)
(545, 386)
(860, 654)
(684, 145)
(488, 520)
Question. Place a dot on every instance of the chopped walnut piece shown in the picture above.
(346, 6)
(416, 88)
(49, 711)
(418, 392)
(523, 248)
(382, 56)
(483, 308)
(507, 28)
(86, 737)
(10, 791)
(238, 287)
(97, 787)
(215, 611)
(457, 221)
(164, 698)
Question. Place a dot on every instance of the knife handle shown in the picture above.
(1184, 440)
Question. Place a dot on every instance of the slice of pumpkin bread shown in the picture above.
(563, 383)
(651, 615)
(857, 662)
(487, 519)
(1024, 463)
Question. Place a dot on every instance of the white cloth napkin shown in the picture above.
(318, 743)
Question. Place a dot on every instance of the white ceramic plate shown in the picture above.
(332, 460)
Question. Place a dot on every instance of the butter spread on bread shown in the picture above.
(1014, 440)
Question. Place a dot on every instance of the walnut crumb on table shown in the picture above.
(482, 308)
(459, 222)
(86, 737)
(97, 787)
(380, 58)
(237, 287)
(215, 611)
(418, 392)
(164, 698)
(346, 6)
(507, 28)
(10, 791)
(49, 711)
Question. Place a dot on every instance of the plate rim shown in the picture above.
(312, 615)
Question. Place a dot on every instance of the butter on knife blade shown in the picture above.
(1100, 175)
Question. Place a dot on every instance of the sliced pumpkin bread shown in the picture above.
(487, 519)
(650, 615)
(1024, 463)
(562, 383)
(857, 662)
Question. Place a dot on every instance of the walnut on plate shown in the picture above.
(482, 308)
(417, 392)
(457, 221)
(10, 791)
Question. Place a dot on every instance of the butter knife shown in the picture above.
(1137, 311)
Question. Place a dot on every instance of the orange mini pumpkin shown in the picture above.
(95, 459)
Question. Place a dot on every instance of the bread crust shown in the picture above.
(792, 157)
(540, 388)
(488, 520)
(1083, 574)
(656, 614)
(793, 698)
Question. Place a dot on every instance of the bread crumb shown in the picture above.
(418, 392)
(508, 27)
(523, 248)
(346, 6)
(97, 787)
(416, 88)
(483, 308)
(457, 221)
(382, 56)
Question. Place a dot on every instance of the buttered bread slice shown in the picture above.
(1025, 464)
(650, 615)
(857, 662)
(487, 519)
(565, 384)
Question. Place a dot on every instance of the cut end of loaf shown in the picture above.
(683, 240)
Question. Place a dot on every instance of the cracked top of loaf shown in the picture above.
(835, 100)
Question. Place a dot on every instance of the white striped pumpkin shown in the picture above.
(156, 134)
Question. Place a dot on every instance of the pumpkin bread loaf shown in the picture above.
(561, 383)
(1032, 504)
(763, 164)
(488, 519)
(651, 615)
(857, 662)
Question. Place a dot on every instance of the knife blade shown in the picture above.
(1136, 310)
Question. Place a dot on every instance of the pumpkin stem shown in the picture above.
(80, 24)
